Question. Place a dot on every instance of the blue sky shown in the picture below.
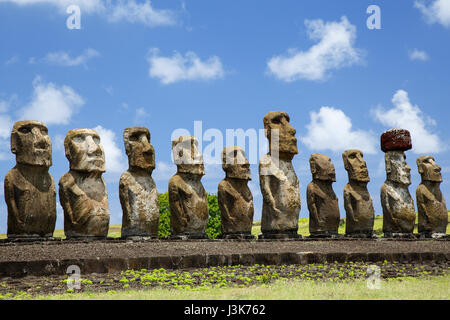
(166, 64)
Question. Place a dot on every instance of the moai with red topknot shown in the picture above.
(398, 206)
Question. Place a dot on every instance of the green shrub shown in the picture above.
(213, 229)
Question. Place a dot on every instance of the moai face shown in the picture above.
(31, 143)
(355, 165)
(140, 152)
(277, 127)
(186, 155)
(428, 169)
(397, 169)
(235, 164)
(84, 151)
(322, 168)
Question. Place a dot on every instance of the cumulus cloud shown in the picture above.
(62, 58)
(436, 12)
(115, 160)
(331, 129)
(114, 11)
(335, 49)
(418, 55)
(164, 171)
(51, 104)
(408, 116)
(188, 67)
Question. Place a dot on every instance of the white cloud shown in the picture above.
(164, 171)
(331, 129)
(5, 126)
(334, 50)
(408, 116)
(62, 58)
(177, 68)
(114, 11)
(436, 12)
(144, 13)
(51, 104)
(12, 60)
(115, 160)
(418, 55)
(141, 115)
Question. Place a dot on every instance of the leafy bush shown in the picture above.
(213, 229)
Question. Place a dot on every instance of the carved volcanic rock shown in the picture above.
(396, 139)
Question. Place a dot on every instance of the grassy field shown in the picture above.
(303, 228)
(400, 288)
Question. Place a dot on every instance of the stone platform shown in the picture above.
(53, 257)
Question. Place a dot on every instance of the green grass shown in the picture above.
(400, 288)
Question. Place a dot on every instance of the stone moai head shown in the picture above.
(186, 155)
(84, 151)
(235, 164)
(394, 142)
(31, 143)
(281, 134)
(138, 148)
(429, 169)
(355, 165)
(322, 168)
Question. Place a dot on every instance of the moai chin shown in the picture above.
(398, 206)
(432, 211)
(30, 191)
(137, 189)
(360, 213)
(188, 201)
(278, 182)
(322, 201)
(82, 190)
(234, 196)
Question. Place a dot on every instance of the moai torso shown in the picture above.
(137, 189)
(358, 204)
(82, 190)
(188, 201)
(281, 195)
(431, 207)
(398, 206)
(322, 201)
(234, 197)
(30, 191)
(278, 182)
(188, 205)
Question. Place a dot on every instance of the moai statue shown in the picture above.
(234, 196)
(30, 191)
(398, 206)
(137, 190)
(188, 201)
(360, 213)
(278, 181)
(322, 201)
(82, 190)
(433, 217)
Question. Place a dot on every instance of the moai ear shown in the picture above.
(388, 166)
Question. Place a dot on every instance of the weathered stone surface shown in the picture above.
(187, 198)
(360, 213)
(396, 139)
(433, 217)
(322, 201)
(234, 196)
(278, 182)
(137, 189)
(398, 206)
(82, 190)
(30, 191)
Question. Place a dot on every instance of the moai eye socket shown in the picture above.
(134, 137)
(96, 139)
(25, 130)
(44, 131)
